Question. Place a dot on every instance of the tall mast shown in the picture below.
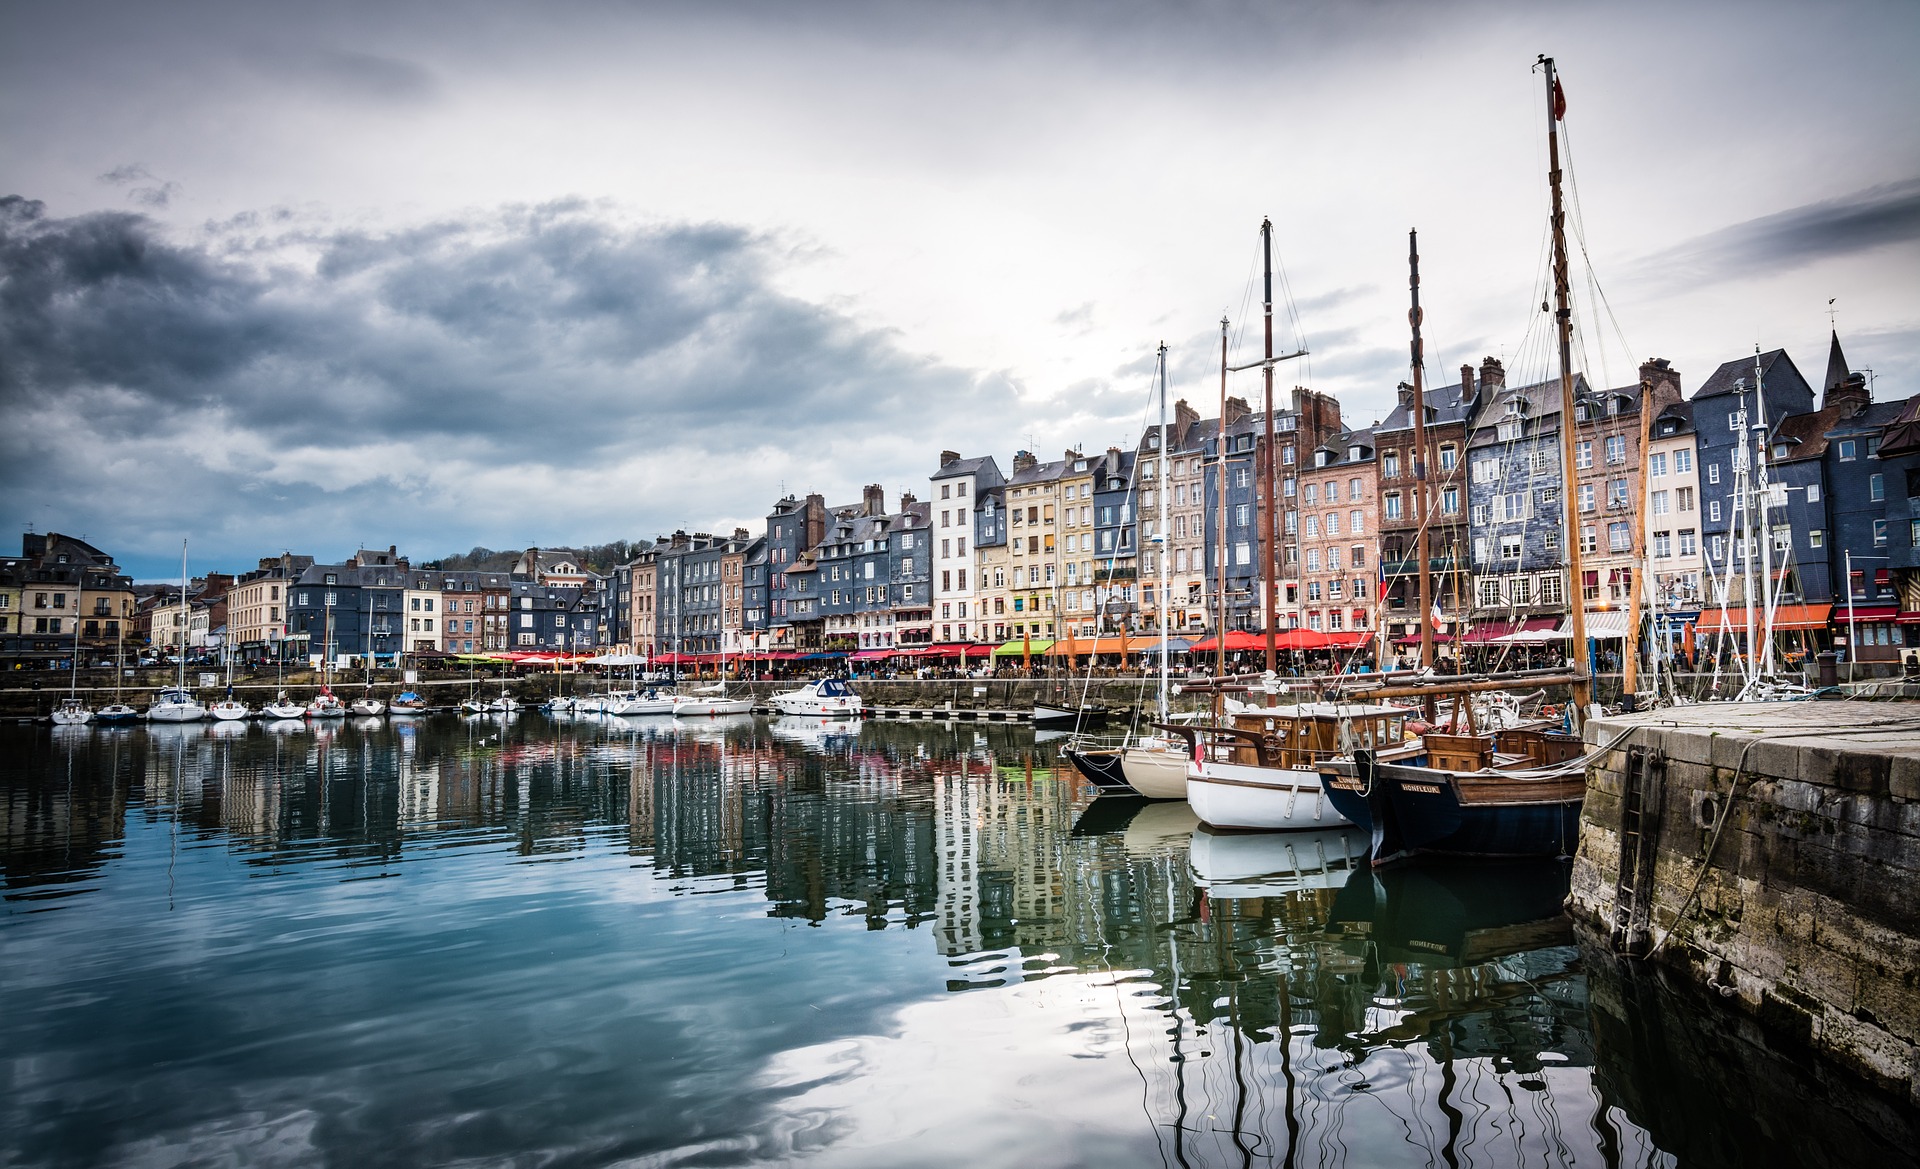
(186, 616)
(1269, 557)
(1563, 317)
(1220, 529)
(1761, 490)
(1743, 502)
(1163, 531)
(1630, 660)
(1420, 501)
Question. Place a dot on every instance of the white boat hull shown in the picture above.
(693, 707)
(71, 716)
(1239, 796)
(1158, 773)
(405, 710)
(326, 709)
(283, 710)
(228, 711)
(185, 712)
(367, 707)
(639, 705)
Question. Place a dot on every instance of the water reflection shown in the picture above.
(740, 939)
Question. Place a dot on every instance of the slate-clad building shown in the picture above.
(1514, 501)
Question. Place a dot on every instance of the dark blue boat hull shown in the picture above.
(1414, 811)
(1103, 769)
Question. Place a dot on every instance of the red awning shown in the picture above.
(1841, 614)
(1485, 631)
(1414, 639)
(1351, 640)
(1909, 618)
(871, 655)
(1237, 639)
(1784, 617)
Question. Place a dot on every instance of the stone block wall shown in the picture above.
(1786, 867)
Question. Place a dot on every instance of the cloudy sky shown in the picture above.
(311, 277)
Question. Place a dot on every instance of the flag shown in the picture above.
(1559, 101)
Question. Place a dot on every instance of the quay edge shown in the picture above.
(1769, 852)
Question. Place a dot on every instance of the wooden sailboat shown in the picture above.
(1465, 791)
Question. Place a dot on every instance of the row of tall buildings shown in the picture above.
(1753, 485)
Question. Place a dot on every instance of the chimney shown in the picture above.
(907, 500)
(1493, 375)
(740, 534)
(1237, 411)
(873, 500)
(1466, 382)
(1406, 399)
(1184, 417)
(1024, 461)
(1663, 382)
(949, 458)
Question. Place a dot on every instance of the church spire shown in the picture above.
(1845, 388)
(1836, 364)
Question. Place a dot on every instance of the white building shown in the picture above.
(956, 581)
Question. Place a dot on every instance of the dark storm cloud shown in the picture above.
(524, 323)
(333, 370)
(1859, 222)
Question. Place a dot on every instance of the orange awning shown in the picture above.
(1785, 617)
(1100, 645)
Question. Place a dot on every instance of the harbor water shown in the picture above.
(516, 940)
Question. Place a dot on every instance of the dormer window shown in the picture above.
(1353, 454)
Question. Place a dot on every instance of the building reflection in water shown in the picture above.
(1282, 1002)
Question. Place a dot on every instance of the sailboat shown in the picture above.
(72, 712)
(229, 708)
(175, 704)
(367, 706)
(1512, 792)
(282, 706)
(712, 699)
(116, 711)
(324, 704)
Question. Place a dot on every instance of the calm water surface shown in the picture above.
(753, 941)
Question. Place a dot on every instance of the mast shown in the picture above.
(1563, 318)
(1743, 492)
(1630, 660)
(1414, 318)
(1270, 554)
(1762, 497)
(1164, 531)
(186, 618)
(1220, 528)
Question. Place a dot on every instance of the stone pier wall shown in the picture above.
(1784, 842)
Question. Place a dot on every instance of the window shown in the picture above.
(1589, 543)
(1512, 507)
(1393, 505)
(1713, 472)
(1583, 454)
(1313, 526)
(1586, 497)
(1879, 533)
(1333, 523)
(1390, 465)
(1486, 470)
(1682, 462)
(1313, 560)
(1508, 430)
(1848, 450)
(1449, 457)
(1616, 448)
(1358, 555)
(1662, 545)
(1913, 533)
(1713, 511)
(1310, 493)
(1519, 591)
(1509, 547)
(1489, 590)
(1590, 585)
(1449, 504)
(1718, 547)
(1353, 490)
(1689, 544)
(1354, 522)
(1660, 500)
(1876, 488)
(1657, 464)
(1551, 540)
(1616, 493)
(1683, 498)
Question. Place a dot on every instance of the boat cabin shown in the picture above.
(1302, 734)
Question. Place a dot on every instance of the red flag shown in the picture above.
(1559, 101)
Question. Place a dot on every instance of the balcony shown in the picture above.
(1411, 565)
(1105, 573)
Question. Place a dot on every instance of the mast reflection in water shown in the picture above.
(740, 940)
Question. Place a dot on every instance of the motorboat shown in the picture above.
(505, 704)
(823, 698)
(406, 704)
(325, 705)
(560, 704)
(116, 712)
(367, 706)
(71, 713)
(283, 707)
(175, 705)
